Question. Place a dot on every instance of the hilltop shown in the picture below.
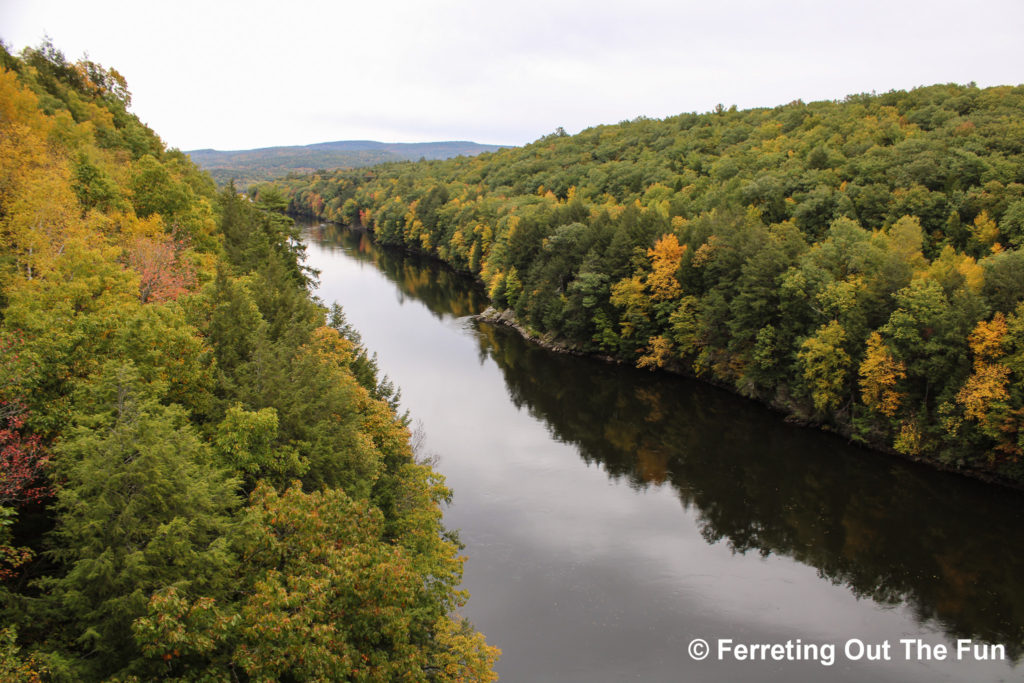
(251, 165)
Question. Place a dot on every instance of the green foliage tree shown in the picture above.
(352, 608)
(141, 508)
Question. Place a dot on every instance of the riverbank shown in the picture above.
(605, 510)
(779, 405)
(550, 342)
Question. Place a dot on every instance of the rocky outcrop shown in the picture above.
(548, 341)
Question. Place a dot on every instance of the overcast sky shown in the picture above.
(254, 74)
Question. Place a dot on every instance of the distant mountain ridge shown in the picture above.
(253, 165)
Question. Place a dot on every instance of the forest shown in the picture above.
(203, 474)
(855, 264)
(254, 165)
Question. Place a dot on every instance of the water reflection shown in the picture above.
(891, 531)
(443, 291)
(946, 548)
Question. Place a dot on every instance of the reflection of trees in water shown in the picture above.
(442, 290)
(950, 549)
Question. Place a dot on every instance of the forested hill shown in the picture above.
(250, 165)
(202, 476)
(856, 264)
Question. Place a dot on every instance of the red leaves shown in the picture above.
(23, 460)
(162, 273)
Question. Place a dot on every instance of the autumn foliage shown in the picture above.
(831, 259)
(202, 475)
(23, 460)
(163, 274)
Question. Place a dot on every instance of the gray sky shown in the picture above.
(252, 74)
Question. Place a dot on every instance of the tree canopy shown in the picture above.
(829, 258)
(202, 474)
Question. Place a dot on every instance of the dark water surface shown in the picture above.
(612, 515)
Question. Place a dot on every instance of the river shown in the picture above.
(611, 516)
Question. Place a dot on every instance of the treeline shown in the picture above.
(257, 165)
(202, 474)
(856, 264)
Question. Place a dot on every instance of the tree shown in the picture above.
(320, 596)
(23, 460)
(629, 294)
(985, 394)
(142, 508)
(985, 233)
(156, 190)
(14, 666)
(666, 257)
(927, 333)
(880, 374)
(824, 364)
(162, 272)
(247, 442)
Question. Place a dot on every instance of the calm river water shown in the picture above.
(611, 516)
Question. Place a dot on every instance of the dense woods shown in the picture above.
(202, 473)
(855, 264)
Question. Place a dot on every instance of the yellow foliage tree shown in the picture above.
(659, 351)
(629, 294)
(987, 385)
(908, 441)
(984, 230)
(879, 374)
(824, 363)
(986, 340)
(666, 255)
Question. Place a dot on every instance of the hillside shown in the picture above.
(251, 165)
(855, 264)
(202, 474)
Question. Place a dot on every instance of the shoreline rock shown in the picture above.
(507, 318)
